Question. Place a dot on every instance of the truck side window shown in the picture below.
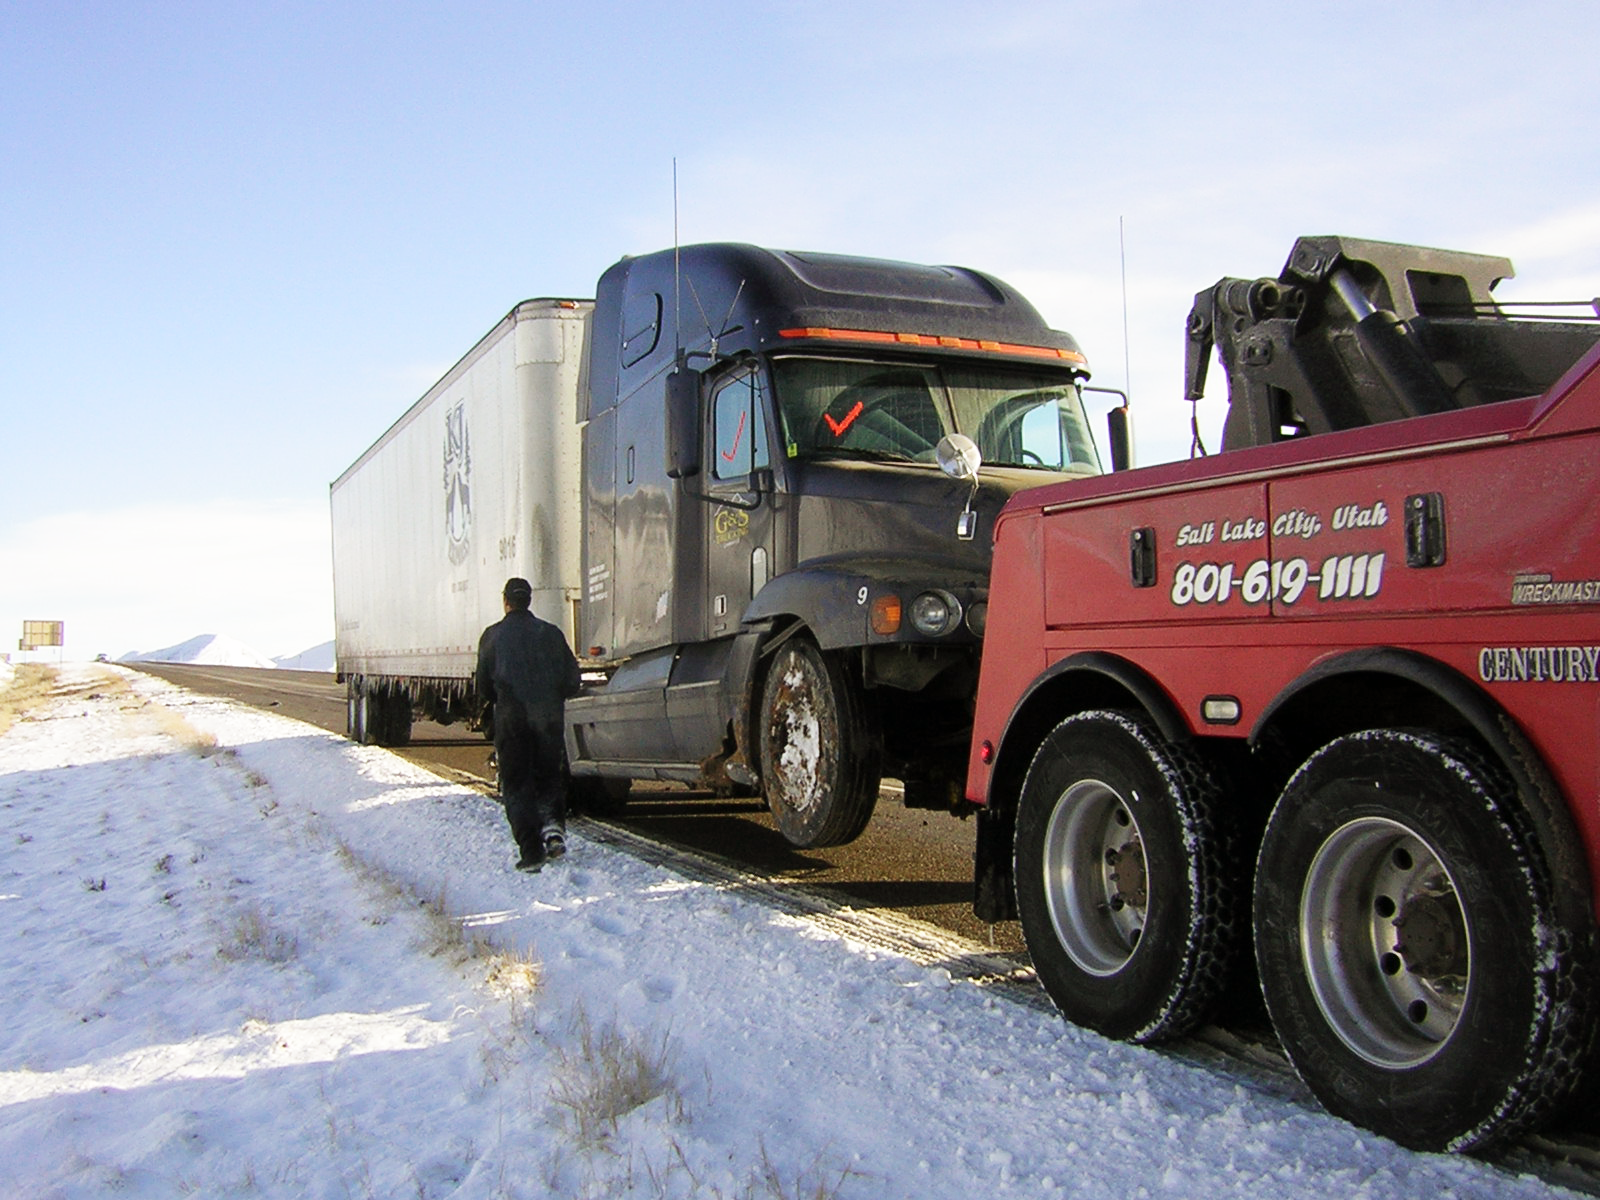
(739, 435)
(641, 326)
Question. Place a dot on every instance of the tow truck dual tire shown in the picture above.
(1125, 889)
(1410, 950)
(821, 758)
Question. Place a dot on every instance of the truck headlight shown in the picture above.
(978, 618)
(934, 614)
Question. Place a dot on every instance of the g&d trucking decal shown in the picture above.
(1285, 580)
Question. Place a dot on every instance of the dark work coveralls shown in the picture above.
(526, 669)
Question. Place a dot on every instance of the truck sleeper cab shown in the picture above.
(785, 592)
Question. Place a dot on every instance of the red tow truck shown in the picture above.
(1331, 695)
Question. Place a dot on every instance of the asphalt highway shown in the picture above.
(913, 863)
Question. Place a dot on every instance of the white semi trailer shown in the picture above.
(477, 482)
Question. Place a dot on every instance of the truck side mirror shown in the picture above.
(1119, 427)
(1119, 422)
(682, 412)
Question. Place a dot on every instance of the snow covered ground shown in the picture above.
(243, 956)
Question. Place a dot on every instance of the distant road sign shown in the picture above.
(38, 634)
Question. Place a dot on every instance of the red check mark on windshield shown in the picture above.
(839, 427)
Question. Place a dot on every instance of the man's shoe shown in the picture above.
(555, 845)
(530, 863)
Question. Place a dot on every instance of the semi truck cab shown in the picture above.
(784, 591)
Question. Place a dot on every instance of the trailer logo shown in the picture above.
(457, 482)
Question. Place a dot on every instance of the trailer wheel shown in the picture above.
(358, 714)
(1125, 888)
(821, 757)
(377, 718)
(1410, 951)
(396, 723)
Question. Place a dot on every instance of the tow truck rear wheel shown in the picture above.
(1125, 888)
(1410, 950)
(821, 755)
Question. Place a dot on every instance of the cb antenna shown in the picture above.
(677, 271)
(1127, 368)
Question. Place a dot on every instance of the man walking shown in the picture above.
(526, 670)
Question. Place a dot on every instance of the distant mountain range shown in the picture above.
(219, 650)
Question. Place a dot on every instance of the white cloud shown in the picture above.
(151, 575)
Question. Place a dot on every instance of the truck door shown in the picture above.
(738, 474)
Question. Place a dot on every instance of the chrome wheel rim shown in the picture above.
(1095, 877)
(1386, 942)
(800, 737)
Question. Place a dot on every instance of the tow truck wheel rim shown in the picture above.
(1386, 942)
(1094, 868)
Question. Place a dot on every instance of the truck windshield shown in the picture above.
(834, 407)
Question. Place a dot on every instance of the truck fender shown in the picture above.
(1540, 797)
(1093, 679)
(831, 599)
(1106, 681)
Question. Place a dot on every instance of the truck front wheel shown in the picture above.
(821, 756)
(1124, 887)
(1410, 952)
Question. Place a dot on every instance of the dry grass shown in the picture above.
(36, 685)
(33, 686)
(175, 726)
(253, 936)
(610, 1074)
(512, 974)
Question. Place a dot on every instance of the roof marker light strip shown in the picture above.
(941, 341)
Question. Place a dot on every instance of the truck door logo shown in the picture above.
(729, 525)
(457, 483)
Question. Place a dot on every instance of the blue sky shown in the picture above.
(237, 240)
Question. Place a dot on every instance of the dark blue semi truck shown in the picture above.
(785, 526)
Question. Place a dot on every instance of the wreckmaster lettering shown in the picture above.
(1542, 589)
(1341, 577)
(1539, 664)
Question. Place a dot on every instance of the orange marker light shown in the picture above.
(886, 615)
(928, 339)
